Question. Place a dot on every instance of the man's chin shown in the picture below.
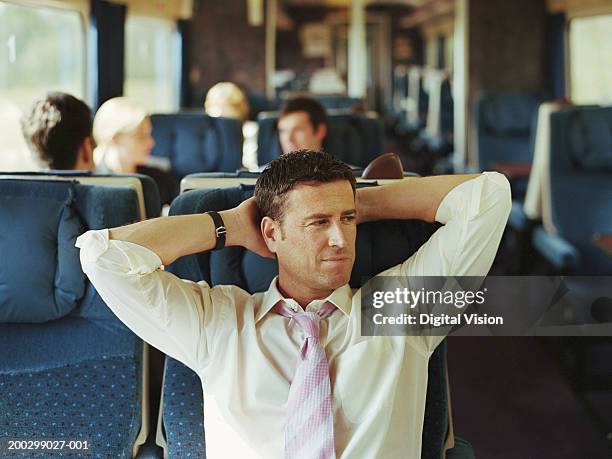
(337, 280)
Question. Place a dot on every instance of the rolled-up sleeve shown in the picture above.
(165, 311)
(474, 215)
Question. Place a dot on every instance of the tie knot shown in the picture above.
(309, 321)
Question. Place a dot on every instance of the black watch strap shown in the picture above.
(219, 229)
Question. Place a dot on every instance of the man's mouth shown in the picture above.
(336, 259)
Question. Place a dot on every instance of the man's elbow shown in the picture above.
(502, 195)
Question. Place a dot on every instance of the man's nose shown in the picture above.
(337, 238)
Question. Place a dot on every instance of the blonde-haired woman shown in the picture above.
(227, 100)
(122, 130)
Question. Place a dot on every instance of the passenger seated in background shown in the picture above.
(227, 100)
(57, 129)
(302, 125)
(122, 131)
(350, 396)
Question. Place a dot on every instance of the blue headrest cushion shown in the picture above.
(40, 273)
(508, 114)
(346, 142)
(590, 141)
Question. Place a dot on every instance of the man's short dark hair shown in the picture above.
(315, 110)
(55, 128)
(286, 171)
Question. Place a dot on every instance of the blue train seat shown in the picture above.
(504, 128)
(338, 102)
(195, 142)
(69, 369)
(379, 246)
(580, 191)
(227, 179)
(150, 193)
(355, 139)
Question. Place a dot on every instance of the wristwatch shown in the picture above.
(220, 229)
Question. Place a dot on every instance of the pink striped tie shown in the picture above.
(309, 428)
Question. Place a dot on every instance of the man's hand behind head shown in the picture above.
(243, 228)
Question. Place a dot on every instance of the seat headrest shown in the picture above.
(589, 136)
(508, 113)
(195, 142)
(353, 138)
(149, 187)
(40, 271)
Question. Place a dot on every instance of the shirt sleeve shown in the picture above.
(173, 315)
(474, 215)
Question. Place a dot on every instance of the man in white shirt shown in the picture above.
(245, 352)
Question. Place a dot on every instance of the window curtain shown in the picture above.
(184, 30)
(106, 51)
(555, 67)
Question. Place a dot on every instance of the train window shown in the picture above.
(152, 60)
(42, 49)
(590, 46)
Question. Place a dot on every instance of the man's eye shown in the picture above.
(319, 222)
(349, 218)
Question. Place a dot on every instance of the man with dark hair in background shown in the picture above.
(57, 129)
(302, 125)
(287, 373)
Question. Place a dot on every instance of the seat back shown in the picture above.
(581, 181)
(380, 245)
(195, 142)
(213, 180)
(504, 127)
(355, 139)
(147, 192)
(59, 340)
(338, 102)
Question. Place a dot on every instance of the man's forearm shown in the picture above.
(411, 198)
(176, 236)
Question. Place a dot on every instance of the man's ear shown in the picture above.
(270, 231)
(321, 132)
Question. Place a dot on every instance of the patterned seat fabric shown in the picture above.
(90, 401)
(79, 376)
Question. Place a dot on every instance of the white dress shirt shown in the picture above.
(245, 354)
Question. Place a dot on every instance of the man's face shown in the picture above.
(315, 243)
(296, 132)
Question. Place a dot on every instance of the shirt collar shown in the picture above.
(341, 298)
